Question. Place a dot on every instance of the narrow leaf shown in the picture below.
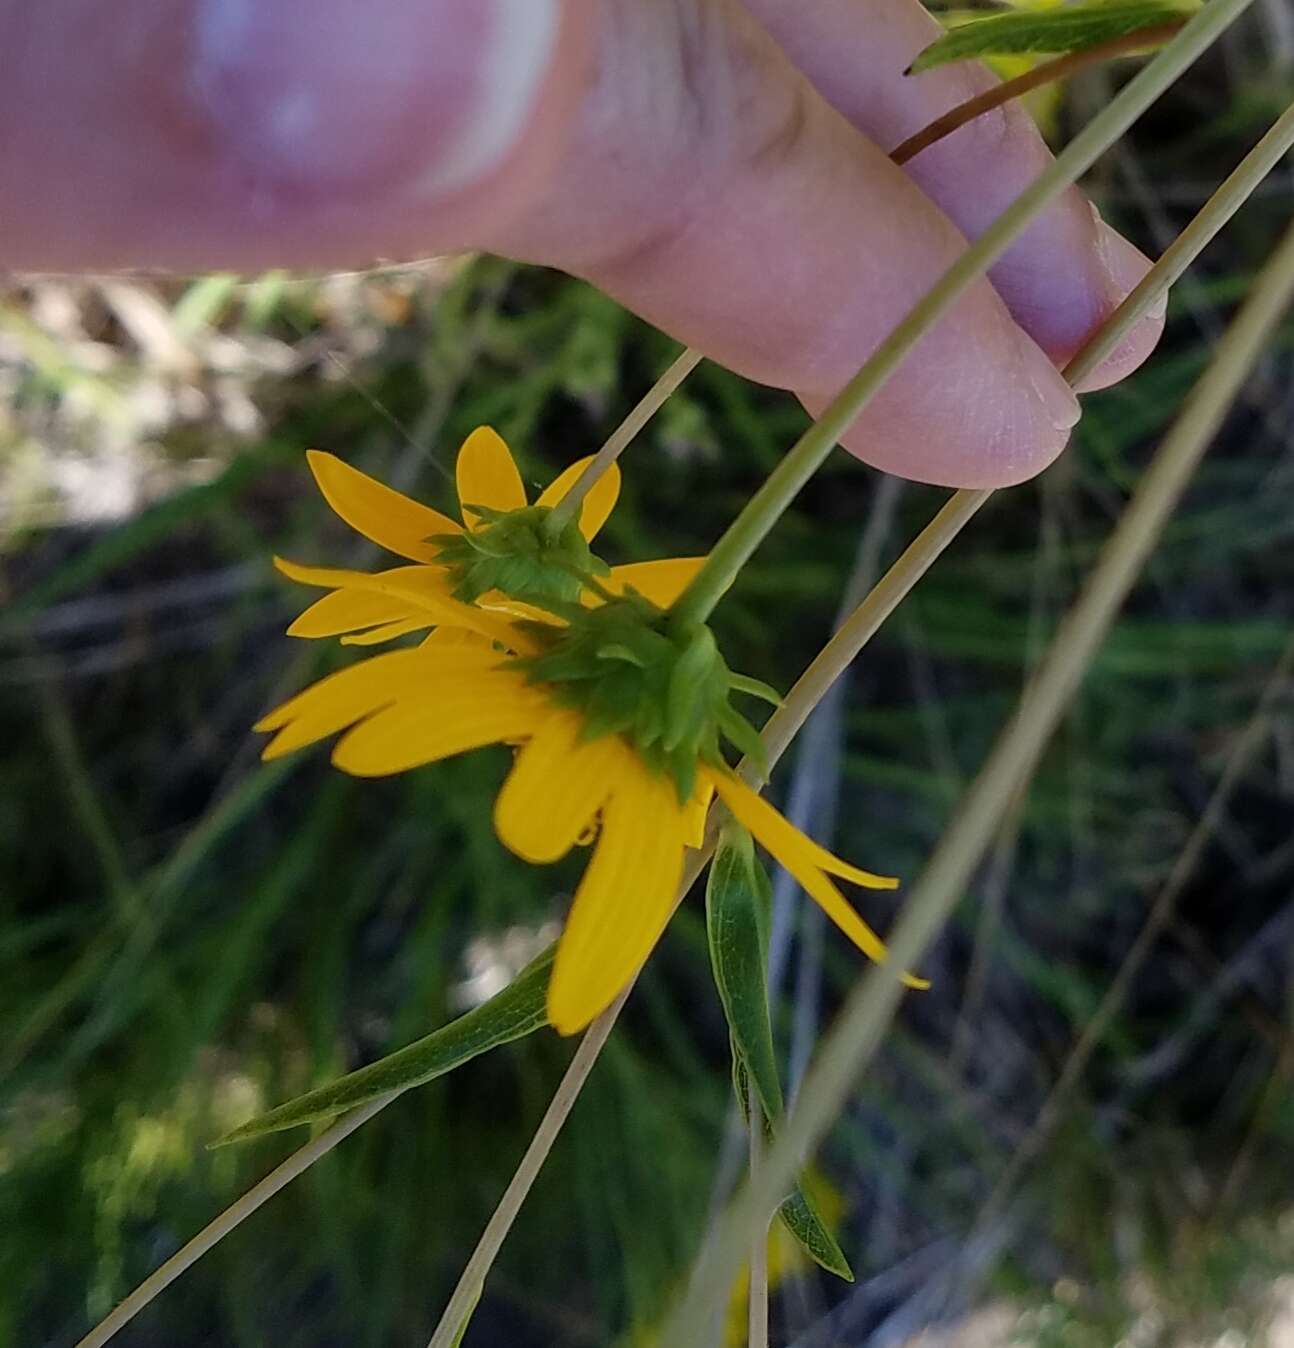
(743, 683)
(511, 1014)
(801, 1218)
(737, 899)
(1050, 32)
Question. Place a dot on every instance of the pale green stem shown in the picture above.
(781, 487)
(757, 1293)
(214, 1232)
(857, 1032)
(652, 401)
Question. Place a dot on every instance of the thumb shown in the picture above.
(241, 134)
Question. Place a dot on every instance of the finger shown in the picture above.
(708, 186)
(1069, 270)
(244, 134)
(669, 152)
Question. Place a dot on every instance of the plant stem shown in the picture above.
(856, 1035)
(757, 1293)
(214, 1232)
(648, 406)
(472, 1279)
(781, 487)
(1059, 69)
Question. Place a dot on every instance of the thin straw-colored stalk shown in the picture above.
(472, 1279)
(757, 1292)
(1238, 763)
(210, 1235)
(781, 487)
(856, 1035)
(620, 439)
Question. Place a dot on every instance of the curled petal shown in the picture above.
(425, 588)
(801, 856)
(375, 636)
(783, 839)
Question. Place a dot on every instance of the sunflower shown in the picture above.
(500, 557)
(616, 719)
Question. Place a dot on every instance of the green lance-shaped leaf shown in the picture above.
(511, 1014)
(1053, 32)
(738, 906)
(802, 1219)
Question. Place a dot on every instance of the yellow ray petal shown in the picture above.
(597, 505)
(342, 698)
(832, 902)
(387, 632)
(498, 602)
(487, 475)
(555, 788)
(624, 900)
(695, 812)
(799, 855)
(782, 838)
(661, 581)
(425, 588)
(440, 719)
(378, 512)
(423, 585)
(347, 611)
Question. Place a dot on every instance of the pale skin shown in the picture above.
(719, 166)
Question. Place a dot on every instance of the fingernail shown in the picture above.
(1122, 265)
(1052, 394)
(338, 97)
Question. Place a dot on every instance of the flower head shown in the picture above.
(502, 557)
(615, 718)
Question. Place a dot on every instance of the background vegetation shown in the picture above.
(187, 936)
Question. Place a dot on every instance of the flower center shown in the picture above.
(516, 552)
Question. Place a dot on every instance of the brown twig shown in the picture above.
(1058, 69)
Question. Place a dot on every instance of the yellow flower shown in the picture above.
(474, 682)
(365, 608)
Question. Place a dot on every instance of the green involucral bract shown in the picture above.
(515, 552)
(630, 672)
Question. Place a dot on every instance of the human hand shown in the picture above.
(718, 166)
